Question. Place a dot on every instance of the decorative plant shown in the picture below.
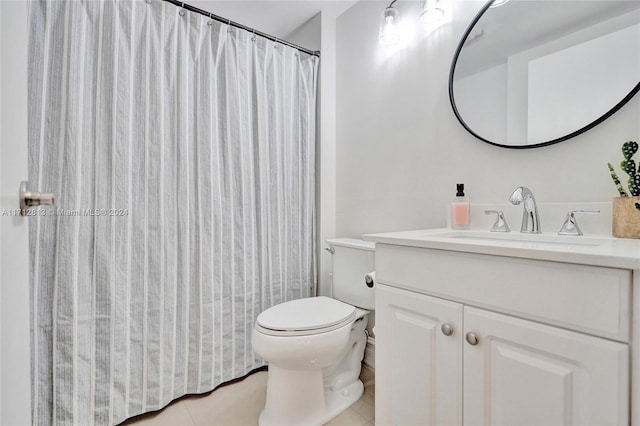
(628, 165)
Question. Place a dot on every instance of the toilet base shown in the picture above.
(309, 410)
(340, 400)
(305, 386)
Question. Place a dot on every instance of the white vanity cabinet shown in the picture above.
(418, 366)
(524, 373)
(473, 339)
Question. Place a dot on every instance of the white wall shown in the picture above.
(15, 359)
(327, 150)
(310, 35)
(326, 143)
(400, 150)
(485, 102)
(570, 74)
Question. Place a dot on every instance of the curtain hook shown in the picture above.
(210, 21)
(181, 13)
(229, 26)
(275, 46)
(253, 38)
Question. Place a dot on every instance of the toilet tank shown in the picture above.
(352, 259)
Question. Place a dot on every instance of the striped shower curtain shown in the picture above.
(181, 152)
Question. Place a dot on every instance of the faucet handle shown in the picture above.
(500, 224)
(570, 225)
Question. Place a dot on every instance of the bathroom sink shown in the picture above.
(517, 237)
(594, 249)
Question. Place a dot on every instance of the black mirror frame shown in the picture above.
(537, 145)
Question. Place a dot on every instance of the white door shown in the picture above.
(524, 373)
(15, 382)
(418, 367)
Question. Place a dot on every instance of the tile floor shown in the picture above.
(239, 404)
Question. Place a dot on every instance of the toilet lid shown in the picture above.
(312, 313)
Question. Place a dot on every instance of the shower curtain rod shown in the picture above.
(244, 27)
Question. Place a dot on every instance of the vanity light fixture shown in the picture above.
(389, 31)
(498, 3)
(432, 11)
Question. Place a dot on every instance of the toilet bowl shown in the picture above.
(314, 346)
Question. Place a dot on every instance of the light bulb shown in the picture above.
(431, 12)
(389, 34)
(498, 3)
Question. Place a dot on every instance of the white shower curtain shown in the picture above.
(181, 152)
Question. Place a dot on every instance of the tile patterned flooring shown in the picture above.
(239, 404)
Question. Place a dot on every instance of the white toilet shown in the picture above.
(314, 346)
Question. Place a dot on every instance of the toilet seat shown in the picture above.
(313, 315)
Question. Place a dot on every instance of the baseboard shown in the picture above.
(370, 353)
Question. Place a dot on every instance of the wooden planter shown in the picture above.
(626, 218)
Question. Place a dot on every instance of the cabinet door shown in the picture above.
(524, 373)
(418, 367)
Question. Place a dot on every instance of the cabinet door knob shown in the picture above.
(472, 339)
(447, 330)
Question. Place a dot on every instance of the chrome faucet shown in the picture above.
(530, 219)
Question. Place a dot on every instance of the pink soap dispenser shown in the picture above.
(460, 209)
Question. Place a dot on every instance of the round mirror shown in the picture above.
(533, 73)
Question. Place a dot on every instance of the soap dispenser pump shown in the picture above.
(460, 209)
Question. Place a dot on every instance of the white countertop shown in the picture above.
(596, 250)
